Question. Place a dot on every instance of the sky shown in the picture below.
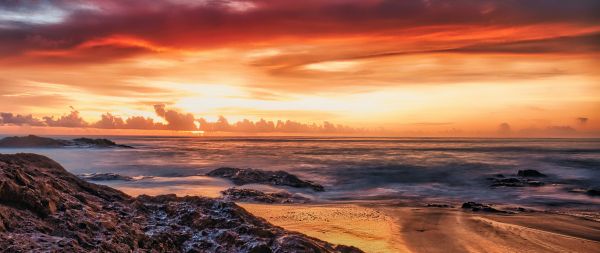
(522, 68)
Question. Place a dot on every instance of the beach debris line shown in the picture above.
(255, 176)
(44, 208)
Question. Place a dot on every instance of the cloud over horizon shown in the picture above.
(177, 121)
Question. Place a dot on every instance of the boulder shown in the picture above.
(254, 176)
(530, 173)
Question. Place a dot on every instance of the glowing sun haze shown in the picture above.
(410, 68)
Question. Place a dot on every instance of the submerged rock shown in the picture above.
(250, 195)
(33, 141)
(523, 180)
(593, 192)
(43, 208)
(478, 207)
(530, 173)
(254, 176)
(104, 177)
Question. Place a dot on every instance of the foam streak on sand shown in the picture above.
(378, 228)
(446, 230)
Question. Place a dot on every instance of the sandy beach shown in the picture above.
(428, 229)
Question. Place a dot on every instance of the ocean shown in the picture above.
(427, 170)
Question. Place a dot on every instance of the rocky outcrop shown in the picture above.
(523, 179)
(32, 141)
(104, 177)
(254, 176)
(251, 195)
(530, 173)
(98, 143)
(43, 208)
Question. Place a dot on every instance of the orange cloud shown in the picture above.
(365, 63)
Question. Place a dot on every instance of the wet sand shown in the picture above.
(369, 229)
(408, 229)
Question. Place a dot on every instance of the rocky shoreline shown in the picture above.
(33, 141)
(45, 208)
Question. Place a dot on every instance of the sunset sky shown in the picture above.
(405, 67)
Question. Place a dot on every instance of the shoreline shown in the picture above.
(386, 228)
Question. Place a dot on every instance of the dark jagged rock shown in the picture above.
(478, 207)
(104, 177)
(250, 195)
(593, 192)
(43, 208)
(33, 141)
(254, 176)
(530, 173)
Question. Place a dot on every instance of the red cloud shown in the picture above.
(188, 24)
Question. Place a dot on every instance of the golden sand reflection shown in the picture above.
(362, 227)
